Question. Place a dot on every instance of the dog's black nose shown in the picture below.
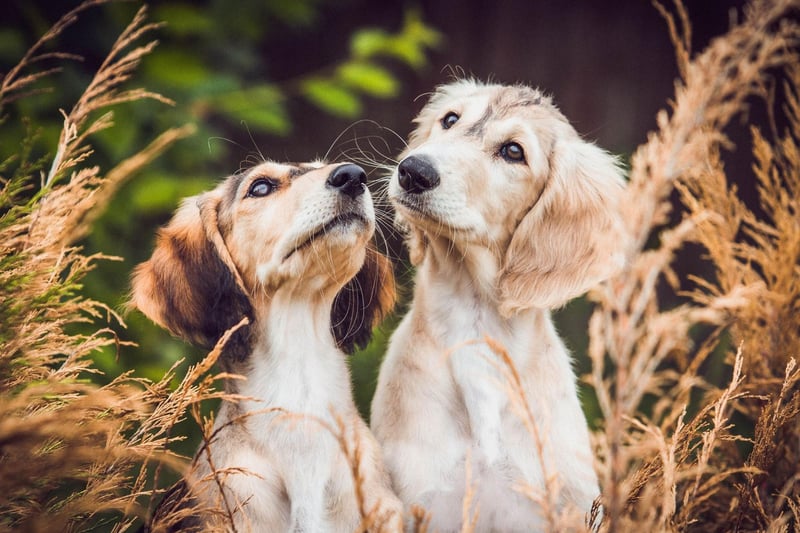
(416, 174)
(349, 179)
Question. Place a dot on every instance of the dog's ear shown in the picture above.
(190, 286)
(363, 302)
(572, 237)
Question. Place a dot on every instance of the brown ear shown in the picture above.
(572, 238)
(189, 286)
(363, 302)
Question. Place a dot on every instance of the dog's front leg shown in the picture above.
(485, 399)
(306, 483)
(307, 509)
(385, 511)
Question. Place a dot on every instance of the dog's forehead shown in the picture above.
(287, 171)
(494, 95)
(481, 105)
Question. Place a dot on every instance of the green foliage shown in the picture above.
(216, 64)
(332, 97)
(404, 46)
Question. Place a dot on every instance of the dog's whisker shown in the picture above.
(342, 133)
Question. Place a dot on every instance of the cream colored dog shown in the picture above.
(287, 246)
(509, 214)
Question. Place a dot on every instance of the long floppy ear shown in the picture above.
(189, 286)
(573, 237)
(363, 302)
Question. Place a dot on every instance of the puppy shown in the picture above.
(509, 213)
(288, 247)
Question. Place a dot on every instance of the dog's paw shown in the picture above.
(386, 516)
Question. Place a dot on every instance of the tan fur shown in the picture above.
(497, 242)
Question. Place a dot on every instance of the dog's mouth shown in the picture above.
(338, 221)
(419, 213)
(416, 206)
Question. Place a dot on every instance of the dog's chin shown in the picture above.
(418, 214)
(342, 231)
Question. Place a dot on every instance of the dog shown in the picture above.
(508, 214)
(286, 246)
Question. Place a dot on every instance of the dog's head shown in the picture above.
(500, 167)
(304, 228)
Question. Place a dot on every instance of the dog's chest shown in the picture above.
(473, 340)
(486, 353)
(307, 381)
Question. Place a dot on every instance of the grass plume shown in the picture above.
(676, 450)
(68, 446)
(680, 464)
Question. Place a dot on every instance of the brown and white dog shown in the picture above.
(287, 246)
(509, 214)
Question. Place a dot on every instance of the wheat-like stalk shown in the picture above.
(68, 447)
(663, 468)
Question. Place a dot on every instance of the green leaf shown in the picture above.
(184, 19)
(331, 97)
(12, 45)
(409, 45)
(294, 12)
(178, 68)
(157, 193)
(368, 78)
(416, 30)
(261, 108)
(368, 43)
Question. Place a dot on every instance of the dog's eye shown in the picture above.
(261, 187)
(513, 153)
(449, 119)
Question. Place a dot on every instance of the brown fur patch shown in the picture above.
(187, 288)
(363, 302)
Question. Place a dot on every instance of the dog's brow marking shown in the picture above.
(479, 127)
(296, 172)
(527, 102)
(233, 188)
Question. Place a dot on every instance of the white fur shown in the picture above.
(443, 402)
(289, 459)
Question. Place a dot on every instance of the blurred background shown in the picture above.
(301, 79)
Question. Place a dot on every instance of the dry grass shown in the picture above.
(680, 464)
(69, 448)
(676, 452)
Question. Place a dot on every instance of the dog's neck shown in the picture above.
(295, 364)
(293, 318)
(469, 270)
(452, 278)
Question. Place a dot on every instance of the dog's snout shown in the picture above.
(348, 179)
(416, 174)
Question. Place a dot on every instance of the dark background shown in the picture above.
(609, 65)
